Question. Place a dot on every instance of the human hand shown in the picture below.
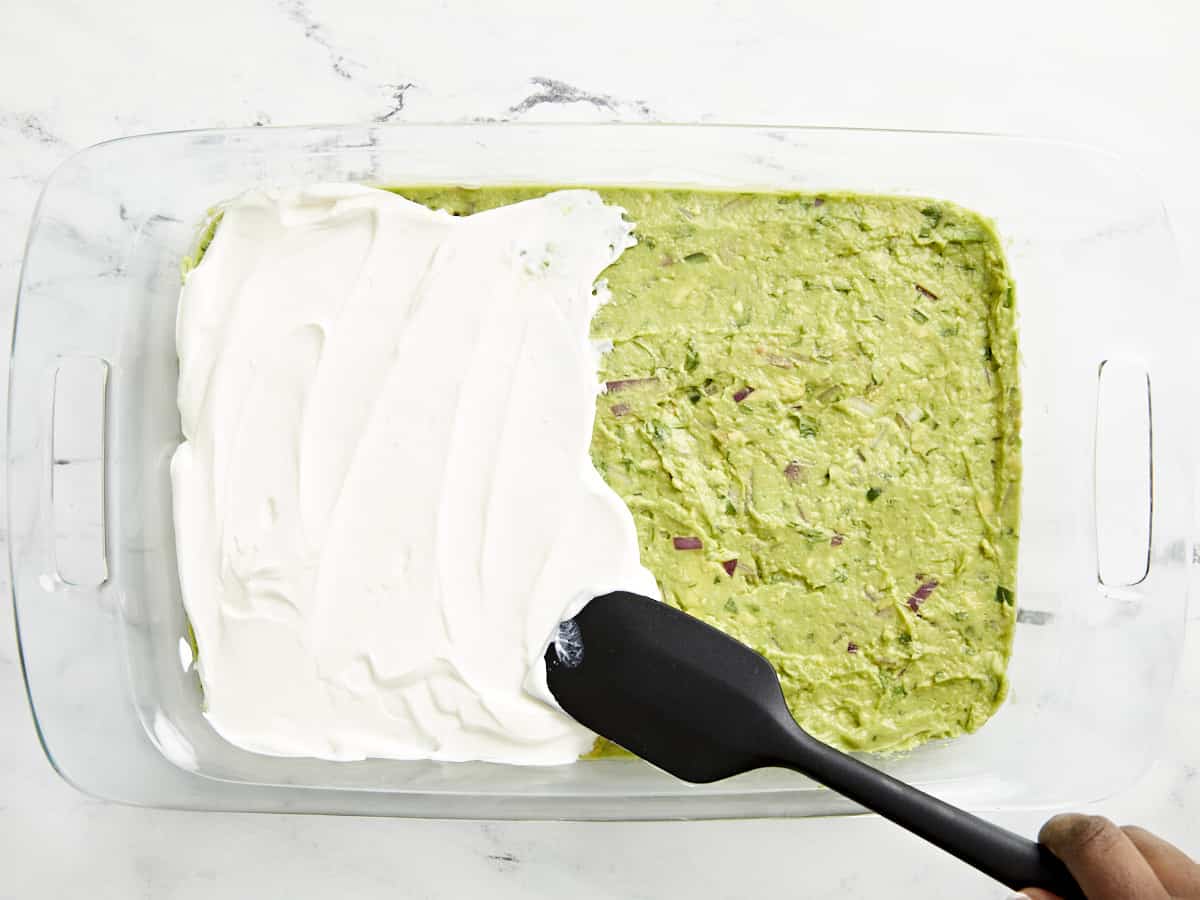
(1112, 863)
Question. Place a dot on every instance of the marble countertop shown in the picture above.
(1122, 76)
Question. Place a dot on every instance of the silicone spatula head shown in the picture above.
(668, 687)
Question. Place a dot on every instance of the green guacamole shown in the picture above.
(813, 414)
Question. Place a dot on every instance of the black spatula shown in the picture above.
(693, 701)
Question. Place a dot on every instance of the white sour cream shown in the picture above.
(384, 504)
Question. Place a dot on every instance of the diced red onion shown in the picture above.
(626, 383)
(687, 543)
(921, 594)
(730, 566)
(619, 409)
(852, 647)
(836, 541)
(794, 471)
(741, 395)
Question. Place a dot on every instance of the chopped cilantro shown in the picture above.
(806, 425)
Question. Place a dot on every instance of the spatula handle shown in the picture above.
(1009, 858)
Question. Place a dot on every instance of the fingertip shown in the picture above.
(1150, 843)
(1033, 894)
(1177, 871)
(1140, 835)
(1058, 825)
(1077, 832)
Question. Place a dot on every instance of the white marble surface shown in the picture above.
(1118, 74)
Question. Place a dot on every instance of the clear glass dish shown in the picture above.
(1108, 499)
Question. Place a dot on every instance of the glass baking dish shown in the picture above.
(1108, 497)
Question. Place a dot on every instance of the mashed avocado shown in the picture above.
(812, 412)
